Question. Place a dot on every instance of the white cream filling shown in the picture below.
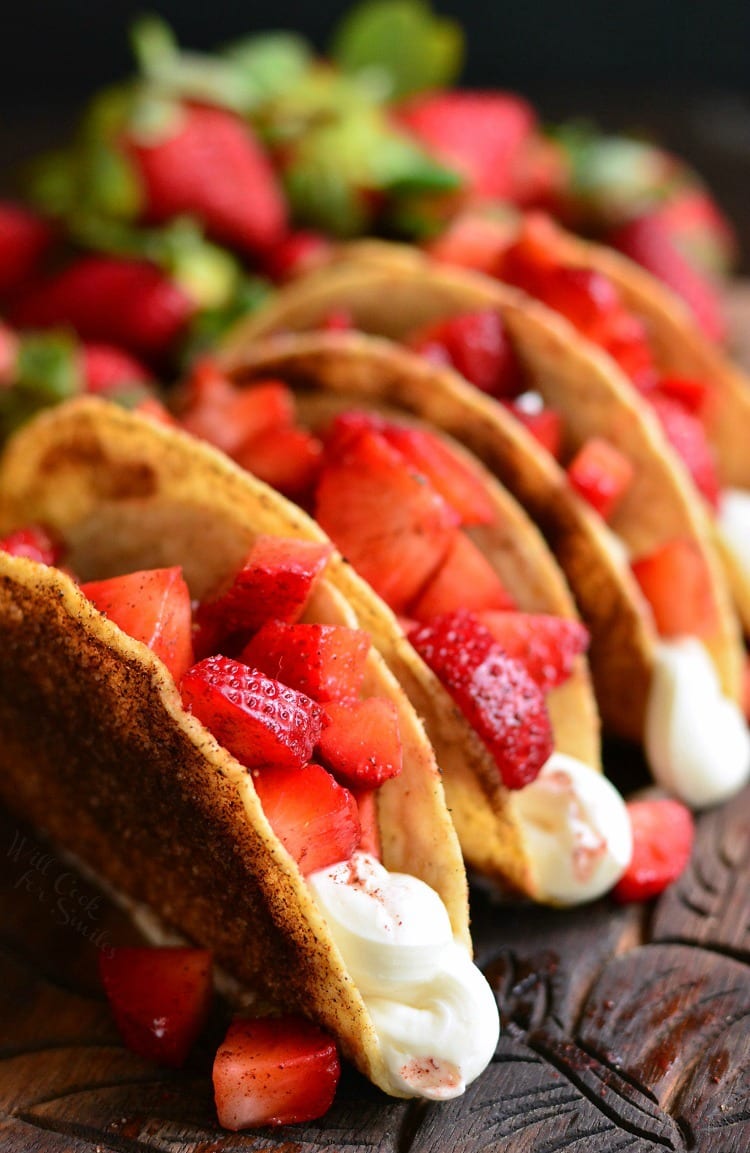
(435, 1015)
(696, 739)
(734, 526)
(577, 830)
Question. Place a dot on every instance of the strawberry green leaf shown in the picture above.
(401, 44)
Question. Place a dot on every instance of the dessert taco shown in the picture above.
(645, 574)
(173, 800)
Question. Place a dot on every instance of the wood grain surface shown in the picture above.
(625, 1029)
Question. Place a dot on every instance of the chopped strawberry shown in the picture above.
(392, 525)
(477, 345)
(494, 692)
(465, 580)
(33, 542)
(315, 818)
(216, 410)
(274, 1071)
(25, 240)
(687, 437)
(687, 391)
(663, 833)
(472, 240)
(648, 240)
(600, 474)
(107, 369)
(160, 998)
(546, 646)
(108, 299)
(153, 409)
(258, 719)
(338, 320)
(326, 662)
(152, 606)
(212, 168)
(481, 134)
(362, 745)
(699, 229)
(450, 475)
(677, 585)
(367, 806)
(274, 583)
(544, 424)
(299, 252)
(288, 459)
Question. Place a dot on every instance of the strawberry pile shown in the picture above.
(400, 503)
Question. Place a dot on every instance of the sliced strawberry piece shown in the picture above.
(465, 580)
(454, 478)
(298, 253)
(686, 391)
(315, 818)
(601, 475)
(477, 345)
(687, 437)
(677, 585)
(362, 745)
(663, 834)
(392, 525)
(274, 1071)
(274, 583)
(212, 168)
(160, 998)
(214, 409)
(367, 806)
(25, 240)
(108, 299)
(326, 662)
(546, 645)
(481, 134)
(107, 369)
(648, 240)
(544, 424)
(258, 719)
(33, 542)
(152, 606)
(494, 692)
(473, 240)
(288, 459)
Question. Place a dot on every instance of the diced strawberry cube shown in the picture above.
(216, 410)
(315, 818)
(33, 542)
(107, 369)
(465, 580)
(152, 606)
(258, 719)
(160, 998)
(274, 583)
(687, 391)
(663, 833)
(274, 1071)
(473, 240)
(298, 253)
(450, 475)
(601, 474)
(544, 424)
(677, 585)
(326, 662)
(494, 692)
(289, 459)
(477, 345)
(367, 806)
(392, 525)
(687, 437)
(545, 645)
(362, 744)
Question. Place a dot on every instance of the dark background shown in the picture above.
(679, 71)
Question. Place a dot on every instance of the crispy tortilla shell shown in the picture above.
(98, 751)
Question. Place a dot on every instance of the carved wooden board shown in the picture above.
(625, 1030)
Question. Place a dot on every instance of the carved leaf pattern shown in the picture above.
(625, 1029)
